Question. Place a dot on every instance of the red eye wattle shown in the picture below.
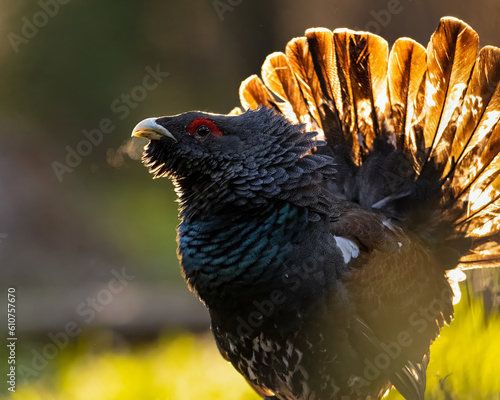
(202, 127)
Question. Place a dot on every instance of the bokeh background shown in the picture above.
(88, 239)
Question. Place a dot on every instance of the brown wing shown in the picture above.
(398, 292)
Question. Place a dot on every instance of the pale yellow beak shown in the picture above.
(149, 129)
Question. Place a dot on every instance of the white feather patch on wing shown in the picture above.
(348, 248)
(454, 277)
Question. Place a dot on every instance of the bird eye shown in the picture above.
(203, 127)
(203, 130)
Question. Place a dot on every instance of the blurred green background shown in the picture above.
(75, 216)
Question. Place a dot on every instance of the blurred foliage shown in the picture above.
(89, 53)
(465, 359)
(146, 220)
(70, 70)
(177, 367)
(465, 362)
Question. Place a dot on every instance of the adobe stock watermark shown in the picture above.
(31, 26)
(390, 351)
(120, 108)
(87, 309)
(223, 6)
(3, 236)
(382, 18)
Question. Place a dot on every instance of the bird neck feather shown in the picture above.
(237, 249)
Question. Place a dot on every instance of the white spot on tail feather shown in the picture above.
(348, 248)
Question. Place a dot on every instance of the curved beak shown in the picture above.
(149, 129)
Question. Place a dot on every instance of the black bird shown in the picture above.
(320, 225)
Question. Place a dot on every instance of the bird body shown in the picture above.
(318, 225)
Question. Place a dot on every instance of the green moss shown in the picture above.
(465, 359)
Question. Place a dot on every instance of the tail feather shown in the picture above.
(482, 101)
(417, 129)
(328, 101)
(321, 48)
(362, 69)
(253, 93)
(301, 62)
(279, 77)
(407, 65)
(451, 55)
(475, 183)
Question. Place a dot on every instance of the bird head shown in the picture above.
(219, 161)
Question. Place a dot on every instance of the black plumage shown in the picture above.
(320, 225)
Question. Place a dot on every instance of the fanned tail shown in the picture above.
(414, 134)
(474, 162)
